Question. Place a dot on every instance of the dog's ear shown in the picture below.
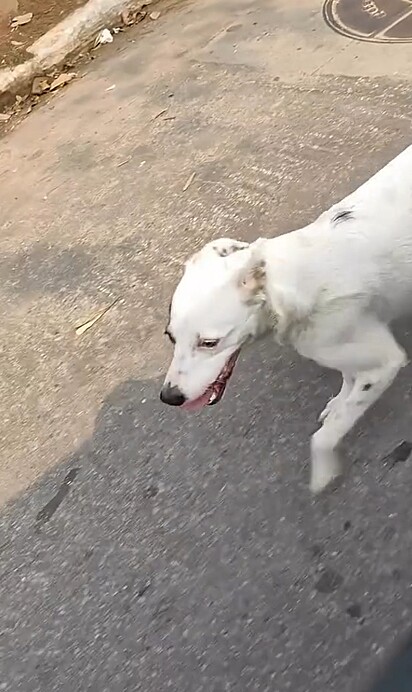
(252, 282)
(226, 246)
(222, 247)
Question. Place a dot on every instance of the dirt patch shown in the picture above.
(46, 14)
(13, 108)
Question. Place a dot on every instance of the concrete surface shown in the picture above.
(61, 43)
(143, 549)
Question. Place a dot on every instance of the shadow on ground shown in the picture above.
(167, 554)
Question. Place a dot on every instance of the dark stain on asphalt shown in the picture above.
(46, 513)
(329, 581)
(316, 550)
(143, 588)
(151, 491)
(354, 611)
(399, 454)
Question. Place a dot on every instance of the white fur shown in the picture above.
(331, 290)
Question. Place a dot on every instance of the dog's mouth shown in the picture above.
(215, 391)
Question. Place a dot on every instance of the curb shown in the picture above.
(66, 38)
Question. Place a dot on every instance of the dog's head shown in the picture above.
(215, 310)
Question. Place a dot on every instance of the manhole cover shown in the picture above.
(380, 21)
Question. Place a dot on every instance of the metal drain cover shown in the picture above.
(379, 21)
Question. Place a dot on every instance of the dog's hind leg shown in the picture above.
(374, 358)
(345, 390)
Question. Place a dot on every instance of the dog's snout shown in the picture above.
(172, 395)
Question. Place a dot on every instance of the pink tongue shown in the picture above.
(198, 403)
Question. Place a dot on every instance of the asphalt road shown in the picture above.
(145, 549)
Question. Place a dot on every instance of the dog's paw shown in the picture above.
(320, 489)
(326, 471)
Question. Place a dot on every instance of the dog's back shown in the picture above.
(380, 230)
(361, 246)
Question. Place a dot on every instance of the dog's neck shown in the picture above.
(280, 311)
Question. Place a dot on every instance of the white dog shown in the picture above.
(330, 289)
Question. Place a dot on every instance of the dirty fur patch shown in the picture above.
(344, 215)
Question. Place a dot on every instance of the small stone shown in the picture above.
(39, 86)
(21, 20)
(62, 80)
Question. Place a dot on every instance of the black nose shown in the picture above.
(172, 395)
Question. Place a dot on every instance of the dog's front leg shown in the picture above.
(345, 390)
(378, 359)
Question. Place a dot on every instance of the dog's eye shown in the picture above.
(207, 343)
